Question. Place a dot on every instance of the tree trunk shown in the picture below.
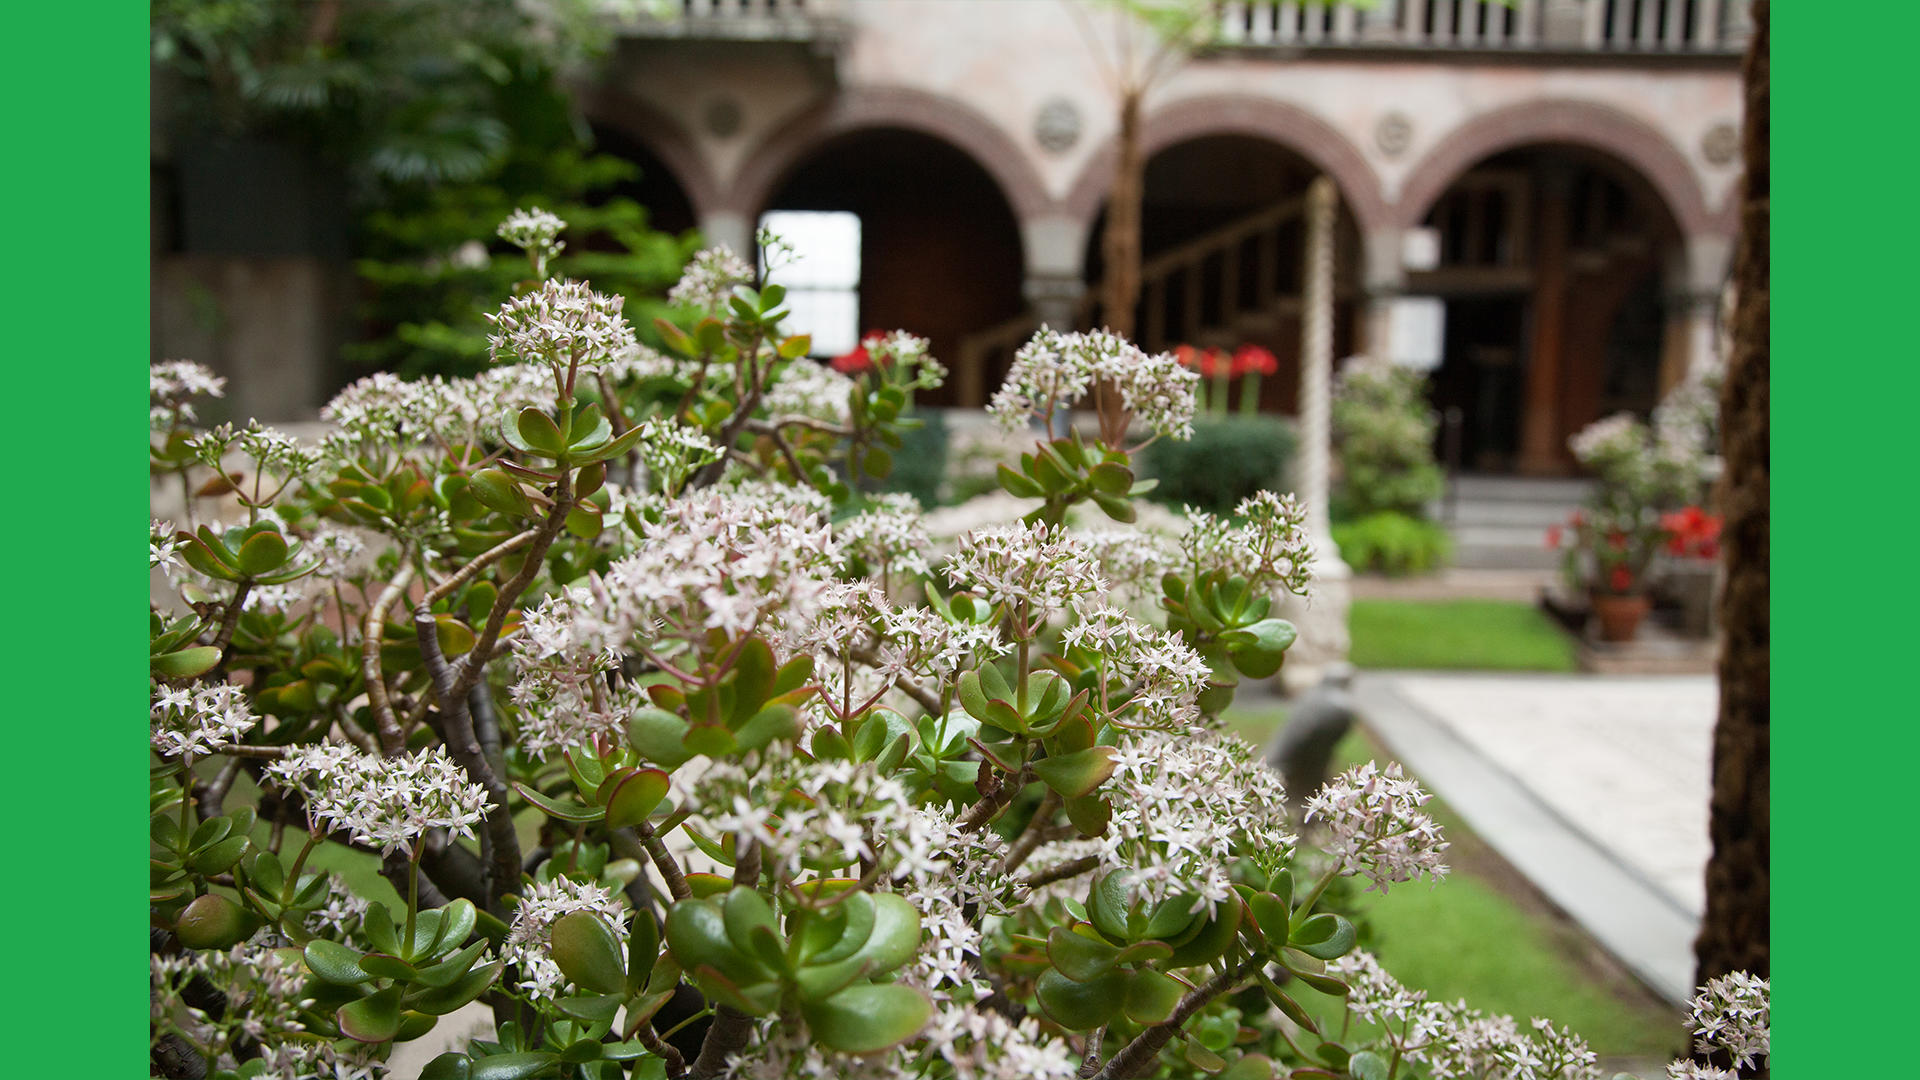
(1120, 244)
(1734, 932)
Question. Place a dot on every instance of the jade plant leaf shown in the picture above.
(868, 1018)
(588, 953)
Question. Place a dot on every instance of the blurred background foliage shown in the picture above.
(437, 118)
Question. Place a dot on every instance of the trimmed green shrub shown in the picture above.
(1392, 543)
(1228, 459)
(1383, 432)
(920, 464)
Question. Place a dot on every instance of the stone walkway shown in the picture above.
(1594, 788)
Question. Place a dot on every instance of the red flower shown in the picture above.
(1553, 536)
(854, 362)
(1252, 359)
(1692, 533)
(1209, 363)
(1577, 520)
(1621, 579)
(1617, 539)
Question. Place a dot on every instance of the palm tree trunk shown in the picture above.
(1734, 932)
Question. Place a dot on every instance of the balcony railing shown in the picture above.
(1592, 26)
(744, 20)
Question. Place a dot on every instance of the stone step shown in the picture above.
(1484, 557)
(1536, 516)
(1561, 490)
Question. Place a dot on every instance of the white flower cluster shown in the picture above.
(1186, 806)
(960, 1042)
(644, 362)
(1270, 546)
(716, 562)
(1053, 371)
(1661, 464)
(278, 598)
(1035, 570)
(808, 814)
(383, 410)
(981, 1044)
(383, 802)
(265, 993)
(1454, 1042)
(194, 720)
(672, 452)
(1734, 1014)
(534, 231)
(171, 384)
(949, 872)
(867, 644)
(162, 547)
(563, 699)
(308, 1059)
(341, 915)
(336, 547)
(1618, 436)
(710, 278)
(1133, 560)
(269, 449)
(888, 536)
(561, 323)
(810, 391)
(532, 933)
(904, 352)
(1159, 674)
(741, 561)
(1376, 827)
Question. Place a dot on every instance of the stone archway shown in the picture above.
(941, 251)
(664, 138)
(1289, 126)
(1634, 142)
(1565, 273)
(858, 108)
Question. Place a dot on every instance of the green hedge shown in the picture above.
(920, 465)
(1392, 543)
(1228, 459)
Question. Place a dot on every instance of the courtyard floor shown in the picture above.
(1595, 788)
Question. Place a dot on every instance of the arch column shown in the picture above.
(1694, 311)
(1324, 639)
(1383, 281)
(1055, 244)
(734, 228)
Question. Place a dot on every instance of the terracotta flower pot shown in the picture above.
(1619, 615)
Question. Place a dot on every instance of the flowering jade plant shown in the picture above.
(683, 758)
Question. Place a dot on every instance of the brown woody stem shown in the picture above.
(1137, 1057)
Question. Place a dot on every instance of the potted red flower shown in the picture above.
(1608, 552)
(1690, 563)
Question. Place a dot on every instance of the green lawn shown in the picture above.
(1482, 635)
(1467, 938)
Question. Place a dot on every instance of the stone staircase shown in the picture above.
(1501, 522)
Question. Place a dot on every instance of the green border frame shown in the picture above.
(78, 299)
(1842, 177)
(76, 88)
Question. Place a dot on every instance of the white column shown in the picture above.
(1316, 358)
(731, 229)
(1323, 619)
